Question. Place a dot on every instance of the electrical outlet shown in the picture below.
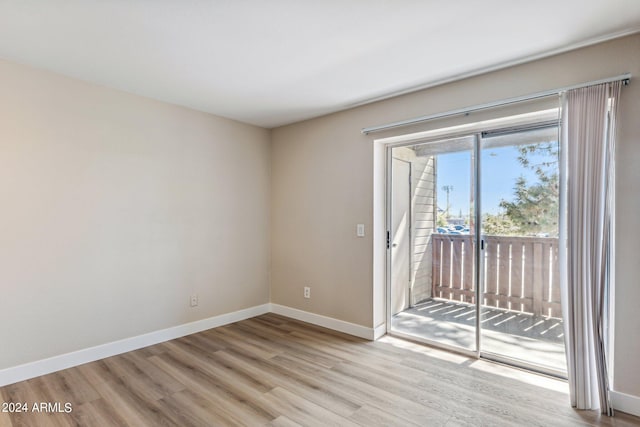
(307, 292)
(194, 300)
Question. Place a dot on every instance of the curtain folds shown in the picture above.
(588, 143)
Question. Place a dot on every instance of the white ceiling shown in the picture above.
(280, 61)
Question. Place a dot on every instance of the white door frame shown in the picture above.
(386, 150)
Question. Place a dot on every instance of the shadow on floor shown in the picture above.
(534, 339)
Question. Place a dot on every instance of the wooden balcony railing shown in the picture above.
(520, 273)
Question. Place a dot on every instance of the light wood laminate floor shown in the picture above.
(275, 371)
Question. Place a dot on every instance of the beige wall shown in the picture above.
(115, 208)
(322, 185)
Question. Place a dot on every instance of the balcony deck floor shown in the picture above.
(536, 340)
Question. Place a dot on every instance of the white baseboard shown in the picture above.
(625, 403)
(379, 331)
(621, 401)
(324, 321)
(64, 361)
(80, 357)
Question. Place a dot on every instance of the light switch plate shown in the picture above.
(360, 230)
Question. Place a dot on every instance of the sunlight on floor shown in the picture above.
(532, 378)
(536, 340)
(426, 350)
(526, 377)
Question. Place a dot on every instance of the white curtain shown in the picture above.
(588, 142)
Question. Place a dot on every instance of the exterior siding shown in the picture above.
(423, 219)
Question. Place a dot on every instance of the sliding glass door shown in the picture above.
(473, 245)
(520, 312)
(438, 304)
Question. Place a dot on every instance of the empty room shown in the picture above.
(350, 213)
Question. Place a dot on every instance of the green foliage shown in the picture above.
(500, 225)
(534, 208)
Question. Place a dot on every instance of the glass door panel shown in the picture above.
(432, 244)
(520, 312)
